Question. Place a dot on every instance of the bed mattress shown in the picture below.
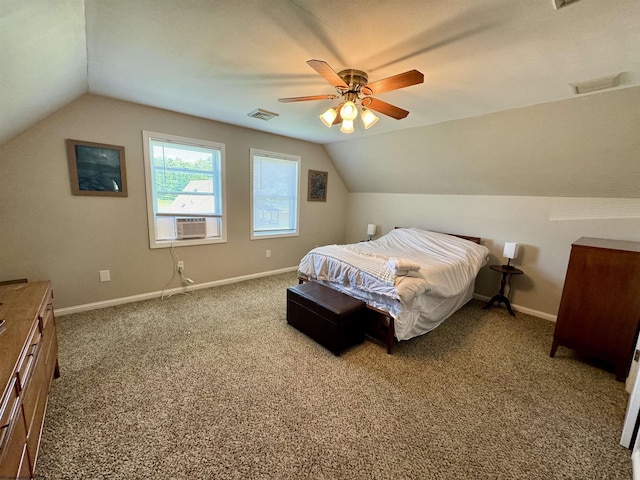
(418, 299)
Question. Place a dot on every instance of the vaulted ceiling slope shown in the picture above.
(223, 59)
(43, 60)
(586, 146)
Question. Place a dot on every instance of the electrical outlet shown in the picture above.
(180, 265)
(105, 275)
(268, 253)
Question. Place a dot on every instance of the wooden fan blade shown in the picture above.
(305, 99)
(406, 79)
(338, 117)
(328, 73)
(385, 108)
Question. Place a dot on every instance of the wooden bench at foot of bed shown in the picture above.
(380, 324)
(333, 319)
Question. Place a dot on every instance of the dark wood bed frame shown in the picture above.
(381, 325)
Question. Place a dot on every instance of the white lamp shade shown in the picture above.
(349, 111)
(371, 229)
(510, 250)
(329, 116)
(368, 118)
(347, 126)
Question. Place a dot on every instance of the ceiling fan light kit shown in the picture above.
(368, 118)
(353, 87)
(347, 126)
(329, 116)
(349, 111)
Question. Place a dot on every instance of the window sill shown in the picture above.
(186, 242)
(274, 235)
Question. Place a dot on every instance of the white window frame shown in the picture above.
(280, 156)
(148, 171)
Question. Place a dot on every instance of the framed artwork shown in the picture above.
(317, 191)
(96, 169)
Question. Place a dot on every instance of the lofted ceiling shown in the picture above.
(222, 59)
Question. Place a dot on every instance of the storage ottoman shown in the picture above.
(331, 318)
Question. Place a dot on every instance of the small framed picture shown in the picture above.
(96, 169)
(317, 191)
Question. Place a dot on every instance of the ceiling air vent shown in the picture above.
(262, 114)
(563, 3)
(595, 84)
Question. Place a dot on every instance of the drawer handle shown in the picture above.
(4, 429)
(4, 434)
(28, 371)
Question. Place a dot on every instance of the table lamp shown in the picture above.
(510, 251)
(371, 230)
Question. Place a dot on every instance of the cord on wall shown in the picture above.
(178, 267)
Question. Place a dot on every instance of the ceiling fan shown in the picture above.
(353, 87)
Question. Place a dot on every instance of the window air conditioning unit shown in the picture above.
(193, 227)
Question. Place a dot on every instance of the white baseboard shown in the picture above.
(147, 296)
(518, 308)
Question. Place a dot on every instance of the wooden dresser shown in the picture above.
(28, 362)
(599, 311)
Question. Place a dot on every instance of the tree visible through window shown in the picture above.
(185, 180)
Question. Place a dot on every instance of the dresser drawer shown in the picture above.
(34, 401)
(16, 461)
(9, 404)
(12, 434)
(27, 363)
(46, 311)
(37, 424)
(37, 387)
(49, 344)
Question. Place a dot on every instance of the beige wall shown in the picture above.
(545, 227)
(47, 233)
(543, 176)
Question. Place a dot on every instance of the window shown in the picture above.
(185, 190)
(274, 194)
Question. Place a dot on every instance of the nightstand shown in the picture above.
(500, 297)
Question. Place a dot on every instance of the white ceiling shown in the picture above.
(221, 59)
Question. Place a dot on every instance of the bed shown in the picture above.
(414, 279)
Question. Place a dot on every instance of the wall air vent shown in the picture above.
(563, 3)
(262, 114)
(595, 84)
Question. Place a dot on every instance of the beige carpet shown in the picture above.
(216, 385)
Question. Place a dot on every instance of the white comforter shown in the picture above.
(418, 302)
